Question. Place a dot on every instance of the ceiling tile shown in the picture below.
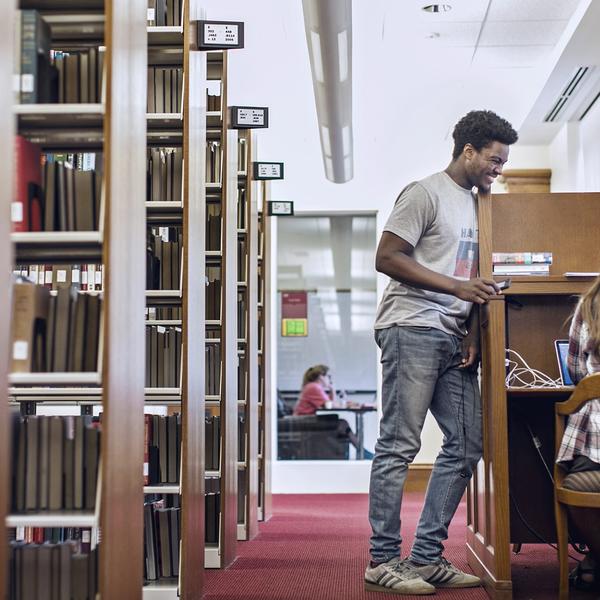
(450, 34)
(528, 33)
(510, 56)
(531, 10)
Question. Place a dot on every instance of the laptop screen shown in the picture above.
(562, 349)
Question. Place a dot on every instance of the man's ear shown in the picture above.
(468, 151)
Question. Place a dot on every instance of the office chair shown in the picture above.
(587, 389)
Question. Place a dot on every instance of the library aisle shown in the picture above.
(316, 546)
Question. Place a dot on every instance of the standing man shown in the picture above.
(427, 327)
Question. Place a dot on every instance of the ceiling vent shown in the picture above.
(578, 96)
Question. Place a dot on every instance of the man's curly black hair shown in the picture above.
(480, 128)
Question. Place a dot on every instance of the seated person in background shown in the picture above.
(580, 446)
(317, 393)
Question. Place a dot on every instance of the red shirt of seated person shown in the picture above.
(317, 389)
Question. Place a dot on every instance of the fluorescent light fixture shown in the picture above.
(328, 28)
(348, 170)
(325, 140)
(329, 168)
(315, 43)
(346, 141)
(343, 54)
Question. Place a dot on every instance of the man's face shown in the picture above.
(485, 165)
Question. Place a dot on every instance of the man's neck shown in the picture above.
(457, 173)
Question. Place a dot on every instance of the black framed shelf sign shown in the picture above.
(220, 35)
(249, 117)
(265, 171)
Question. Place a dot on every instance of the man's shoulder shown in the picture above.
(428, 186)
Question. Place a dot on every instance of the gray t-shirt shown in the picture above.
(439, 218)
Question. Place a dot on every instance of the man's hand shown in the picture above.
(477, 290)
(470, 352)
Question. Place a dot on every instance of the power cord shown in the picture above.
(521, 375)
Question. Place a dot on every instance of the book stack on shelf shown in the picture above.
(521, 263)
(71, 216)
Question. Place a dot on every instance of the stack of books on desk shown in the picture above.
(521, 263)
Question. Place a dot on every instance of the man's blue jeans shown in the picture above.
(420, 373)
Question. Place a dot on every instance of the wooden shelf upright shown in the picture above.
(248, 340)
(511, 495)
(264, 349)
(7, 131)
(117, 128)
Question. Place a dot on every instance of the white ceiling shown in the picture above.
(414, 75)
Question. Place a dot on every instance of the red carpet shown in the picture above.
(315, 547)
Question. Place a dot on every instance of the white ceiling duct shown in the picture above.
(577, 96)
(328, 28)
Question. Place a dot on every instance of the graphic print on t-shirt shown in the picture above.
(467, 255)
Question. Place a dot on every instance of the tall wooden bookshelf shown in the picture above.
(171, 47)
(116, 126)
(510, 499)
(248, 341)
(264, 350)
(224, 331)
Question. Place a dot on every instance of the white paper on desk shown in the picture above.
(581, 274)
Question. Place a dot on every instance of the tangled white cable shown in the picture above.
(521, 375)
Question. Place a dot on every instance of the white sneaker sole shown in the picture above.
(425, 591)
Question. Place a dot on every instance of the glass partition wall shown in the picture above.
(326, 283)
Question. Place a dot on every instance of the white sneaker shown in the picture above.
(397, 577)
(444, 574)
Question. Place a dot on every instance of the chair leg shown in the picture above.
(563, 549)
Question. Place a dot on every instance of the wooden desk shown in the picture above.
(511, 478)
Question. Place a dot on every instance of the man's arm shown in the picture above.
(394, 258)
(470, 343)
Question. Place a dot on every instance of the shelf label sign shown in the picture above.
(249, 117)
(220, 35)
(280, 209)
(267, 170)
(294, 314)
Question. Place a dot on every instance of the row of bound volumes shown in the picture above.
(80, 538)
(162, 313)
(164, 172)
(212, 441)
(165, 90)
(162, 532)
(213, 227)
(43, 75)
(213, 368)
(51, 572)
(162, 449)
(242, 260)
(164, 13)
(163, 356)
(55, 192)
(241, 313)
(54, 332)
(164, 258)
(86, 277)
(212, 511)
(241, 209)
(56, 466)
(214, 162)
(242, 155)
(213, 293)
(242, 496)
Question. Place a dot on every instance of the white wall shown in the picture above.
(575, 155)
